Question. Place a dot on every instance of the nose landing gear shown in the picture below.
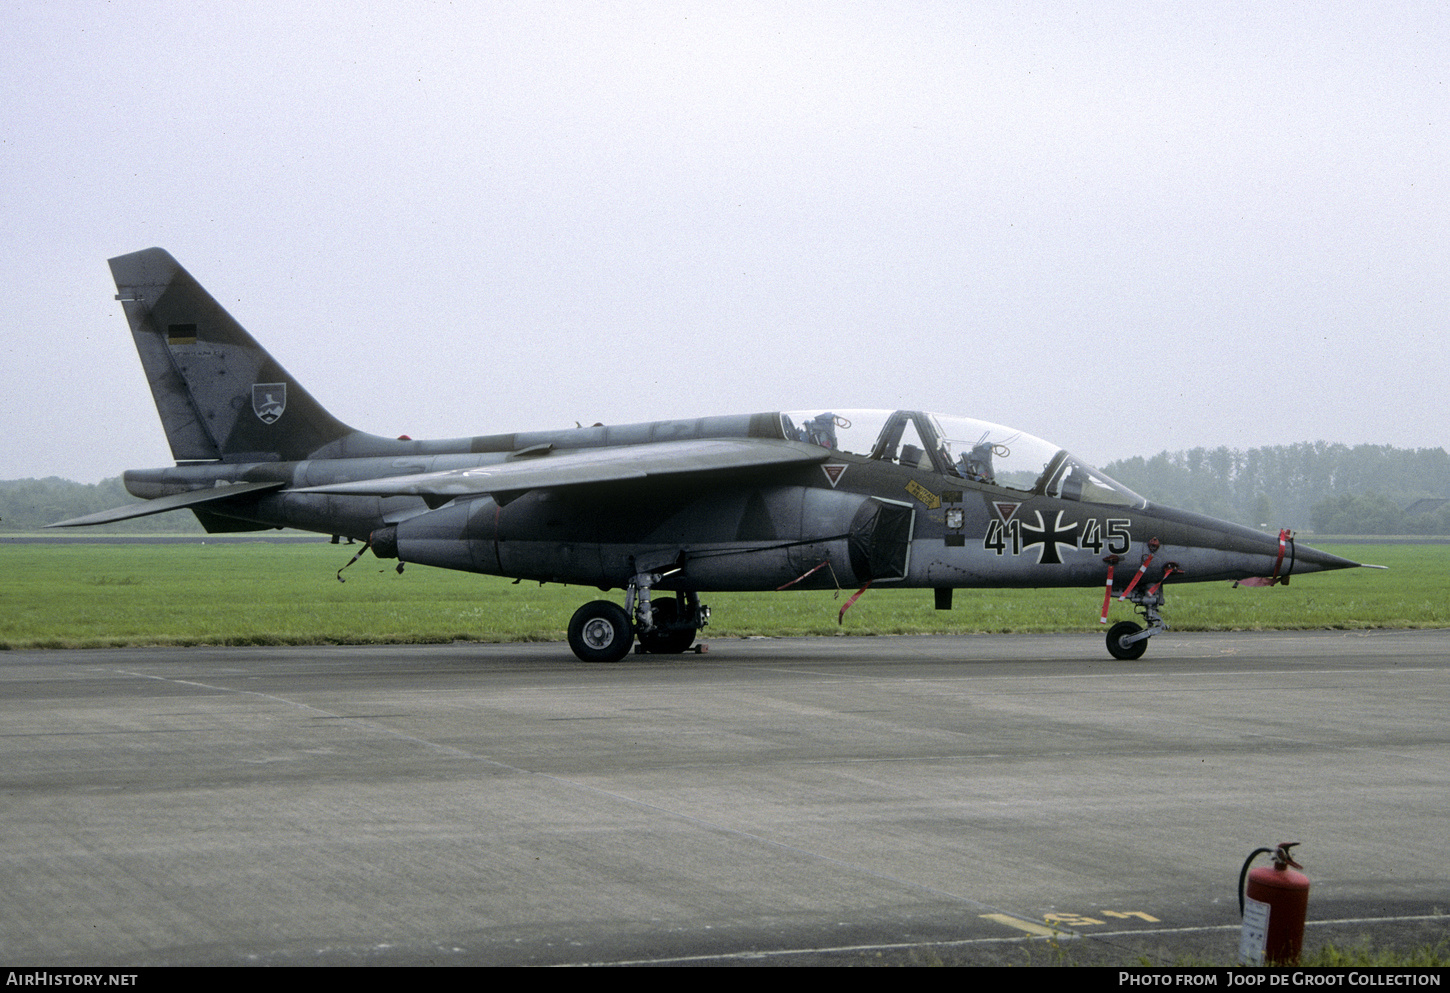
(1127, 640)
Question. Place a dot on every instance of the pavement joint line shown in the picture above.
(1004, 940)
(1133, 676)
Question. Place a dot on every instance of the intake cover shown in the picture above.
(880, 542)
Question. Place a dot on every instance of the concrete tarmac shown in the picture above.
(792, 801)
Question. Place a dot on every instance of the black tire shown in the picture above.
(1117, 649)
(600, 632)
(659, 642)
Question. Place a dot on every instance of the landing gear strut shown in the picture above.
(665, 627)
(1129, 641)
(603, 631)
(670, 635)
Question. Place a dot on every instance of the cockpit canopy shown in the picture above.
(959, 446)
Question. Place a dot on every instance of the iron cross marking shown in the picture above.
(1049, 537)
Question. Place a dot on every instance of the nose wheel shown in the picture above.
(1128, 641)
(1119, 648)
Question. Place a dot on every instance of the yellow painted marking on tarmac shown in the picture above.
(1130, 913)
(1071, 920)
(1021, 925)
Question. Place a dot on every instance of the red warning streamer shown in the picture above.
(1111, 560)
(1285, 536)
(841, 617)
(1147, 561)
(807, 575)
(1168, 570)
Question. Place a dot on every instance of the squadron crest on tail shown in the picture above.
(269, 401)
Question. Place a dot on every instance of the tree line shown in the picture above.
(31, 504)
(1327, 488)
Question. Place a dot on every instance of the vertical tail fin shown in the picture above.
(219, 394)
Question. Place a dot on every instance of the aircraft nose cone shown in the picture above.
(1307, 559)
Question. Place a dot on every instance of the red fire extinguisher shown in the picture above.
(1278, 901)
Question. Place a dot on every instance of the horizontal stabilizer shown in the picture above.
(589, 465)
(160, 505)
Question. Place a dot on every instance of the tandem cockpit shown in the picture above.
(964, 447)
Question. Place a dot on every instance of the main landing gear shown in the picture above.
(600, 632)
(603, 631)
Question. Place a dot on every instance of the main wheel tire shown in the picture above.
(1117, 649)
(658, 642)
(600, 631)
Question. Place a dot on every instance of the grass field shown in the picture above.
(65, 596)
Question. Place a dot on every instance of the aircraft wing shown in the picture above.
(160, 505)
(575, 467)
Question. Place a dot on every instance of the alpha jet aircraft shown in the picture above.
(664, 510)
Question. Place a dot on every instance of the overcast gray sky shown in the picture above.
(1124, 227)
